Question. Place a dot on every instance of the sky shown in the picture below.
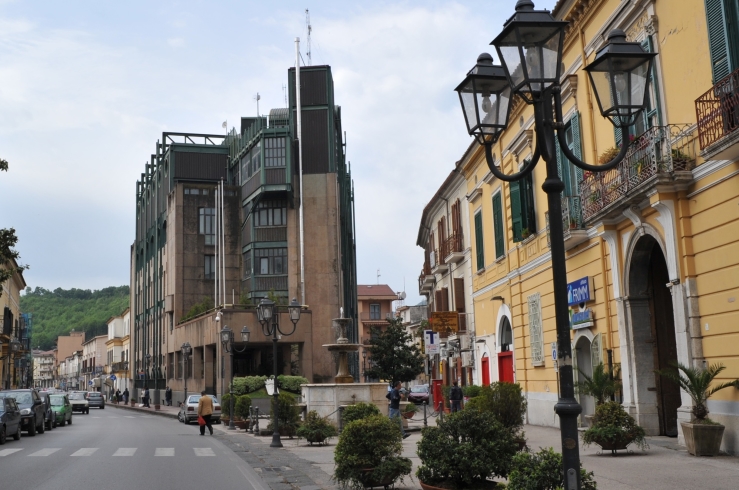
(87, 88)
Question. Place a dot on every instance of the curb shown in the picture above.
(146, 410)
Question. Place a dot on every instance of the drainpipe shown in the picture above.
(300, 165)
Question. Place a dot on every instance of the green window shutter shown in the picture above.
(479, 242)
(528, 213)
(515, 191)
(576, 149)
(618, 136)
(718, 38)
(498, 225)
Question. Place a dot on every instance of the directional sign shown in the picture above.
(444, 321)
(431, 342)
(554, 351)
(112, 377)
(89, 382)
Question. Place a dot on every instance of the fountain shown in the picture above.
(343, 347)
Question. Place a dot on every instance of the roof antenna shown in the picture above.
(310, 28)
(257, 98)
(284, 93)
(378, 276)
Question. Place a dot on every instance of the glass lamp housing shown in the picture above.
(225, 335)
(294, 310)
(265, 310)
(245, 334)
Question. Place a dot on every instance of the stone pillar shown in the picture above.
(208, 369)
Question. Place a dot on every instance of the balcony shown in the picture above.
(573, 228)
(438, 266)
(718, 119)
(119, 366)
(452, 249)
(663, 156)
(425, 280)
(371, 317)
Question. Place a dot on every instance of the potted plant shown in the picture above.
(507, 404)
(613, 429)
(702, 435)
(369, 454)
(465, 451)
(289, 415)
(601, 385)
(241, 411)
(525, 233)
(409, 410)
(608, 155)
(358, 411)
(543, 471)
(226, 408)
(316, 429)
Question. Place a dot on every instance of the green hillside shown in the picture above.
(59, 311)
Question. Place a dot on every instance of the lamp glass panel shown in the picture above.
(245, 334)
(467, 98)
(225, 335)
(602, 85)
(493, 97)
(511, 58)
(294, 312)
(550, 57)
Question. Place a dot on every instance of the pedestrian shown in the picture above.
(168, 396)
(146, 398)
(125, 396)
(455, 396)
(394, 397)
(205, 410)
(117, 396)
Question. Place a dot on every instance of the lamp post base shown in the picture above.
(276, 442)
(156, 407)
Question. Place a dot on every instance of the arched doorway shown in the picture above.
(653, 335)
(505, 356)
(584, 366)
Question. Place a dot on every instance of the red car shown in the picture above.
(419, 394)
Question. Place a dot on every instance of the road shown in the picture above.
(118, 449)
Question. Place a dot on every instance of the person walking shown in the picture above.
(455, 396)
(168, 396)
(394, 397)
(146, 398)
(117, 396)
(205, 410)
(125, 396)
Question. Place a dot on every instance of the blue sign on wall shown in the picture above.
(579, 291)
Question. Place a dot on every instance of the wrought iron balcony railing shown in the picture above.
(718, 110)
(452, 244)
(661, 155)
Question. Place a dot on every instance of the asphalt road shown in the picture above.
(118, 449)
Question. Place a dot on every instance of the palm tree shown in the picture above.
(697, 383)
(600, 386)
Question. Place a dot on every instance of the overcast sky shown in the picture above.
(87, 87)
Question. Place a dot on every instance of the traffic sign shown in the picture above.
(431, 342)
(89, 382)
(112, 377)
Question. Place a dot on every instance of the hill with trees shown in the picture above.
(59, 311)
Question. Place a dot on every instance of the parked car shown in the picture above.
(49, 414)
(79, 402)
(32, 409)
(189, 411)
(419, 394)
(96, 400)
(62, 408)
(10, 419)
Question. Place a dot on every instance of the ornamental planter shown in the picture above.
(408, 415)
(369, 480)
(241, 424)
(703, 439)
(613, 446)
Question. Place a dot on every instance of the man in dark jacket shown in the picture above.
(168, 396)
(146, 397)
(394, 397)
(455, 396)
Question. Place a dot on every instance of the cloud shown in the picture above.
(176, 42)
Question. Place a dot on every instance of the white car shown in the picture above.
(189, 411)
(79, 402)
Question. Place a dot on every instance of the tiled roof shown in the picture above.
(376, 291)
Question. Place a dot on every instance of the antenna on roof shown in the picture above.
(378, 276)
(284, 93)
(309, 28)
(257, 98)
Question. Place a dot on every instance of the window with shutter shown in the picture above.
(498, 225)
(478, 241)
(528, 213)
(515, 192)
(721, 17)
(596, 351)
(536, 335)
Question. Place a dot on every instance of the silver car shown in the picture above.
(189, 410)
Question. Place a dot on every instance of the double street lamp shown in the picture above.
(186, 350)
(227, 341)
(268, 317)
(13, 347)
(530, 49)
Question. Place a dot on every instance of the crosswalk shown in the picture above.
(90, 451)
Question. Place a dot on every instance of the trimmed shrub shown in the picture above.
(248, 384)
(504, 400)
(612, 424)
(316, 429)
(241, 407)
(291, 383)
(471, 391)
(358, 411)
(226, 405)
(288, 416)
(543, 471)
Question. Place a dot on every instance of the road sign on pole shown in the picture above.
(431, 342)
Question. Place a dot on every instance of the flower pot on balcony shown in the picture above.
(703, 439)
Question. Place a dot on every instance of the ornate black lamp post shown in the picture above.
(186, 350)
(268, 318)
(530, 48)
(227, 341)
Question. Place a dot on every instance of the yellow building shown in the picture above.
(652, 246)
(12, 329)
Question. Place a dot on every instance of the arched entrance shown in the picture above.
(584, 366)
(653, 335)
(505, 356)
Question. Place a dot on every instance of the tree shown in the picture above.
(7, 242)
(394, 354)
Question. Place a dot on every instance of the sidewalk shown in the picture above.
(665, 465)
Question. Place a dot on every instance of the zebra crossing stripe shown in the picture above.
(125, 451)
(45, 451)
(164, 451)
(203, 451)
(7, 452)
(85, 451)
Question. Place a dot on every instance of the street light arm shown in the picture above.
(277, 325)
(528, 167)
(571, 156)
(233, 347)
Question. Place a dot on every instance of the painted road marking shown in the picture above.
(164, 451)
(129, 416)
(125, 451)
(203, 451)
(85, 451)
(46, 451)
(7, 452)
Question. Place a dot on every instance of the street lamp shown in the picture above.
(268, 318)
(227, 341)
(530, 49)
(186, 349)
(364, 364)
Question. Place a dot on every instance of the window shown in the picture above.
(207, 224)
(535, 330)
(247, 265)
(250, 164)
(374, 312)
(274, 152)
(498, 225)
(568, 172)
(479, 242)
(271, 261)
(523, 215)
(723, 36)
(210, 266)
(271, 213)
